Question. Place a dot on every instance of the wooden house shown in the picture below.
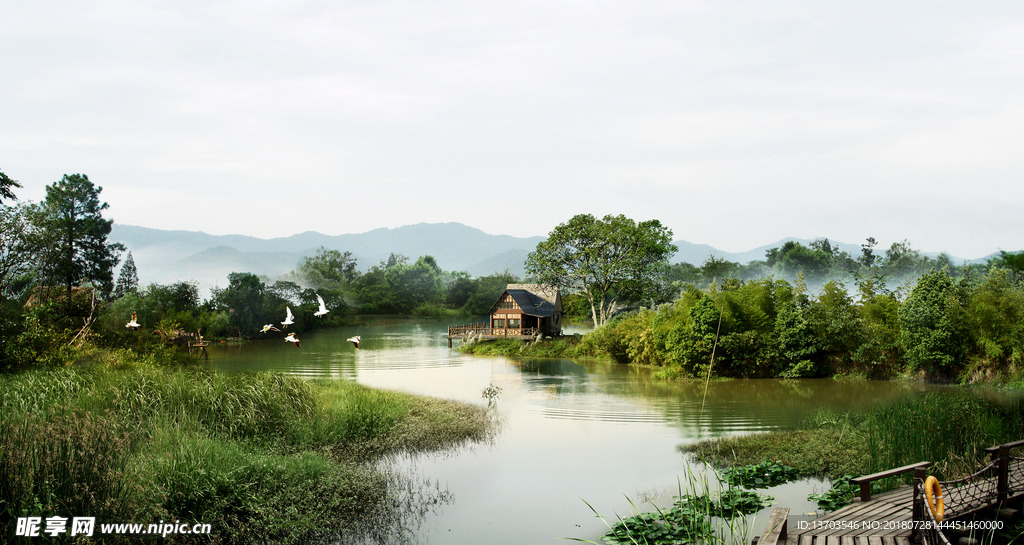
(527, 310)
(523, 311)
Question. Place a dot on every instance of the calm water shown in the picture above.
(569, 431)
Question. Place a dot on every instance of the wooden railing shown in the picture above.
(865, 481)
(485, 330)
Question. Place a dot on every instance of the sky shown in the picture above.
(734, 123)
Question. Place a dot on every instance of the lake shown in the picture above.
(568, 431)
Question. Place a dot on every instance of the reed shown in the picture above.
(951, 428)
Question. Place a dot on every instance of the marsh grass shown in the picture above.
(264, 458)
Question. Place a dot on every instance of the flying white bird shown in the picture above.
(323, 308)
(269, 327)
(354, 340)
(288, 319)
(291, 338)
(134, 324)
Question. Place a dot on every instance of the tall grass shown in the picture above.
(261, 457)
(69, 463)
(951, 428)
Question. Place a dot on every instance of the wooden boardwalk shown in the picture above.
(900, 516)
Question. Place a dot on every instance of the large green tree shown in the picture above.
(608, 260)
(73, 233)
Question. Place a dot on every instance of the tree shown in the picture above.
(1012, 261)
(6, 184)
(413, 285)
(128, 278)
(74, 233)
(929, 331)
(245, 302)
(867, 251)
(610, 260)
(794, 258)
(328, 268)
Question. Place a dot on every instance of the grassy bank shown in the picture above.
(563, 347)
(260, 457)
(950, 428)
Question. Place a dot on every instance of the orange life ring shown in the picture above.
(933, 494)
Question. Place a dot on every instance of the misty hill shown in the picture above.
(170, 256)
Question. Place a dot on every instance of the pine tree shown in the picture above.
(73, 234)
(128, 279)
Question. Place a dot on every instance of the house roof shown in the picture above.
(548, 293)
(532, 304)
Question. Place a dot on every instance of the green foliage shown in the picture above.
(930, 335)
(794, 259)
(698, 516)
(625, 339)
(972, 329)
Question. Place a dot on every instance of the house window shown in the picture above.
(507, 304)
(498, 322)
(513, 323)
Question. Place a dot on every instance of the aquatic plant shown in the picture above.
(840, 494)
(760, 475)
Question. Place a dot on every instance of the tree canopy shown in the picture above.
(609, 260)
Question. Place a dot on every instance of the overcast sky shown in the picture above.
(734, 123)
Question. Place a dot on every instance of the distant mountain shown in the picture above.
(171, 256)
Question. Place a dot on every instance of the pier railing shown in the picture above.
(1002, 478)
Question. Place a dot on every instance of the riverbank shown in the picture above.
(260, 457)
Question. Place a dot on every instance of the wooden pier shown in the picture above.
(901, 516)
